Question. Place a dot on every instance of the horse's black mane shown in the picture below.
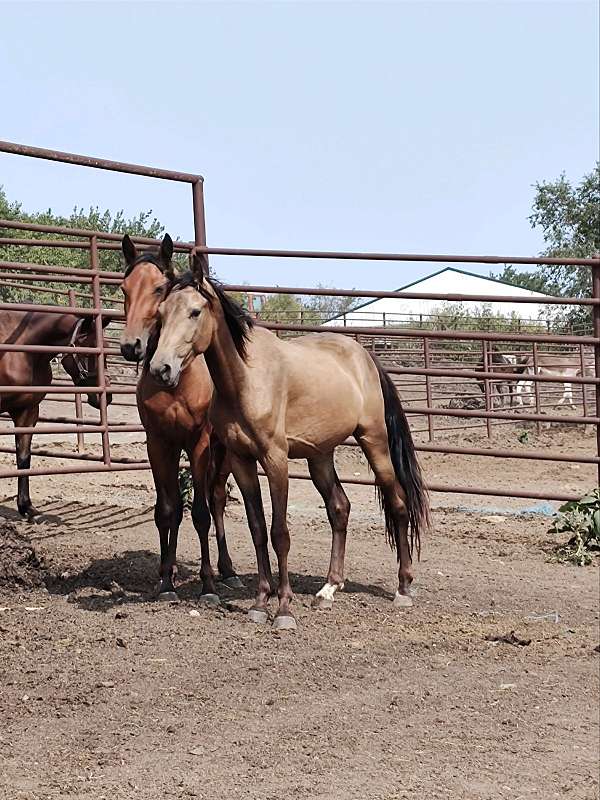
(239, 322)
(149, 257)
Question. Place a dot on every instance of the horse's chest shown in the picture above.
(170, 414)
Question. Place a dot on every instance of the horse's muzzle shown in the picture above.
(165, 374)
(133, 351)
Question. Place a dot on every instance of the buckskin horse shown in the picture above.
(277, 399)
(175, 419)
(25, 369)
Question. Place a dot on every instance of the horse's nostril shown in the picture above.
(132, 352)
(165, 370)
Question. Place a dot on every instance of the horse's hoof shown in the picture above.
(322, 603)
(210, 599)
(168, 597)
(29, 513)
(287, 623)
(402, 600)
(258, 615)
(233, 582)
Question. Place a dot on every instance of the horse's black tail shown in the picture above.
(406, 467)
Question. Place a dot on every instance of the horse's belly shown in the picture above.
(319, 441)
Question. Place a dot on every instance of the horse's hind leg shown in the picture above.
(168, 511)
(323, 474)
(27, 417)
(199, 456)
(217, 498)
(375, 447)
(567, 396)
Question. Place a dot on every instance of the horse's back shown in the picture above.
(332, 385)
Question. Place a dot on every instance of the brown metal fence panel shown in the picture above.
(437, 369)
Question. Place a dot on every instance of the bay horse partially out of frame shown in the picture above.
(34, 369)
(175, 420)
(276, 399)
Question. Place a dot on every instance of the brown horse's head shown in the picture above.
(147, 278)
(189, 316)
(83, 367)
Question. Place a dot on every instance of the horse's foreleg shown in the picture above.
(199, 456)
(275, 465)
(217, 498)
(246, 476)
(27, 417)
(168, 511)
(323, 474)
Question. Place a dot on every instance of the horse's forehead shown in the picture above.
(144, 274)
(182, 299)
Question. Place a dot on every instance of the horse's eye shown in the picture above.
(195, 313)
(159, 290)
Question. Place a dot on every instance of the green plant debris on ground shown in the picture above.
(580, 518)
(186, 486)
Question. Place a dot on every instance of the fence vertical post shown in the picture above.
(78, 403)
(488, 385)
(199, 216)
(596, 329)
(536, 387)
(583, 386)
(428, 387)
(97, 301)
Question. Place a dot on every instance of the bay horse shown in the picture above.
(276, 399)
(175, 420)
(34, 369)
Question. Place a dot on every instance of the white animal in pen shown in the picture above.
(552, 365)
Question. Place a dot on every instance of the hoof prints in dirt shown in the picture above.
(19, 563)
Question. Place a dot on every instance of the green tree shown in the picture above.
(143, 224)
(568, 215)
(321, 308)
(527, 280)
(282, 308)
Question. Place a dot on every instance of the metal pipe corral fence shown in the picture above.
(429, 365)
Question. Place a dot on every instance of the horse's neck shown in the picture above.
(227, 369)
(48, 329)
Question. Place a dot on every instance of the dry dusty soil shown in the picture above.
(487, 688)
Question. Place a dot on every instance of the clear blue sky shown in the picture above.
(356, 126)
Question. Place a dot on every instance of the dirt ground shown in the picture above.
(107, 693)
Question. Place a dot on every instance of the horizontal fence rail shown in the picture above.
(446, 377)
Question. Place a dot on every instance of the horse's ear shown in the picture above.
(88, 324)
(165, 254)
(199, 265)
(129, 249)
